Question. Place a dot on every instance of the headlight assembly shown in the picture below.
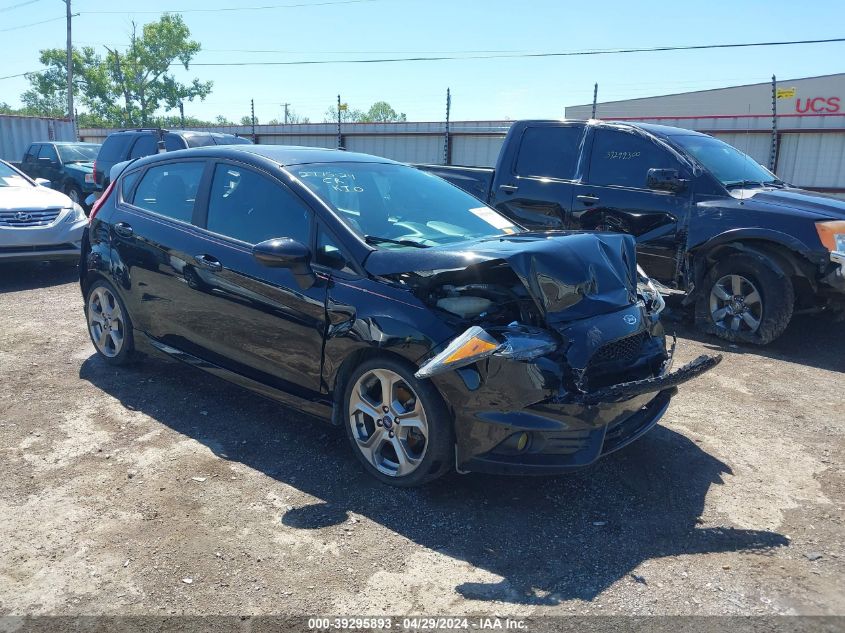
(516, 343)
(832, 236)
(76, 213)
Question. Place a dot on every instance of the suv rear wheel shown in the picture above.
(746, 298)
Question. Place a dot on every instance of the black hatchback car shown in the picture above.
(437, 332)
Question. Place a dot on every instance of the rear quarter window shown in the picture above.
(114, 148)
(549, 152)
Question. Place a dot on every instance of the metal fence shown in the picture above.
(18, 132)
(467, 142)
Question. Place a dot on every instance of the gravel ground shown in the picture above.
(156, 489)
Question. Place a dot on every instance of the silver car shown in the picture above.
(36, 222)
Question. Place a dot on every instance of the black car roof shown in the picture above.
(280, 154)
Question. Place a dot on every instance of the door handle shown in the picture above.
(209, 263)
(508, 188)
(588, 200)
(123, 229)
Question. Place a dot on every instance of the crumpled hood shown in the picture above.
(570, 275)
(28, 197)
(814, 205)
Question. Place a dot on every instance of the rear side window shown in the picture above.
(170, 189)
(32, 153)
(48, 151)
(127, 183)
(623, 158)
(173, 142)
(146, 145)
(549, 152)
(114, 148)
(199, 140)
(252, 208)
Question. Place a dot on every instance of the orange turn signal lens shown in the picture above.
(828, 231)
(473, 347)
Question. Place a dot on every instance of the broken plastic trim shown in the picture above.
(648, 291)
(517, 343)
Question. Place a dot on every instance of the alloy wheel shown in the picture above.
(736, 304)
(388, 422)
(106, 322)
(73, 194)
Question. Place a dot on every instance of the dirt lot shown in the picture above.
(159, 490)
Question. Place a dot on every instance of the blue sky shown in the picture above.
(481, 88)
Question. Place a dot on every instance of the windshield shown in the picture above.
(724, 161)
(396, 206)
(10, 178)
(78, 153)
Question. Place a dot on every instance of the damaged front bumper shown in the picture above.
(519, 417)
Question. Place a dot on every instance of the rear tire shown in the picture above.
(746, 298)
(109, 324)
(403, 438)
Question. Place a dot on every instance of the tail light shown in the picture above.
(100, 201)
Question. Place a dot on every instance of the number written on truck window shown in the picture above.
(624, 158)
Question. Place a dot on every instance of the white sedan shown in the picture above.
(36, 222)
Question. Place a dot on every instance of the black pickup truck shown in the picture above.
(746, 249)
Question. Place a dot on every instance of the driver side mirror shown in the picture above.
(43, 182)
(284, 252)
(665, 180)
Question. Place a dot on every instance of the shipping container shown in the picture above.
(18, 132)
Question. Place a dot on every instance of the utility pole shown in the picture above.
(773, 153)
(182, 114)
(595, 97)
(339, 137)
(252, 109)
(286, 112)
(447, 154)
(70, 109)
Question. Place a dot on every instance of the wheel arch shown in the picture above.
(791, 256)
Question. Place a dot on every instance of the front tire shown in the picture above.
(399, 427)
(75, 194)
(109, 324)
(746, 298)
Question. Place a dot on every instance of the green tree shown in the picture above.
(379, 112)
(382, 112)
(247, 120)
(123, 88)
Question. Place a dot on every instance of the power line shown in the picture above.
(609, 51)
(258, 8)
(18, 5)
(24, 26)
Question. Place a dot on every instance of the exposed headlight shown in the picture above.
(76, 213)
(517, 343)
(832, 235)
(648, 291)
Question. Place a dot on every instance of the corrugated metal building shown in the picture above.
(469, 142)
(809, 142)
(18, 132)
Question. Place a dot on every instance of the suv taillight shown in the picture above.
(94, 171)
(100, 201)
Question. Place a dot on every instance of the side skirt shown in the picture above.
(318, 408)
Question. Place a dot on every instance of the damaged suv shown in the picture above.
(434, 330)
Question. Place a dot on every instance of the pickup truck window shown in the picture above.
(549, 152)
(724, 161)
(31, 155)
(48, 151)
(624, 158)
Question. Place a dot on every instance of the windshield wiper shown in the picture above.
(755, 183)
(375, 239)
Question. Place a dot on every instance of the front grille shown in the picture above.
(28, 217)
(623, 349)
